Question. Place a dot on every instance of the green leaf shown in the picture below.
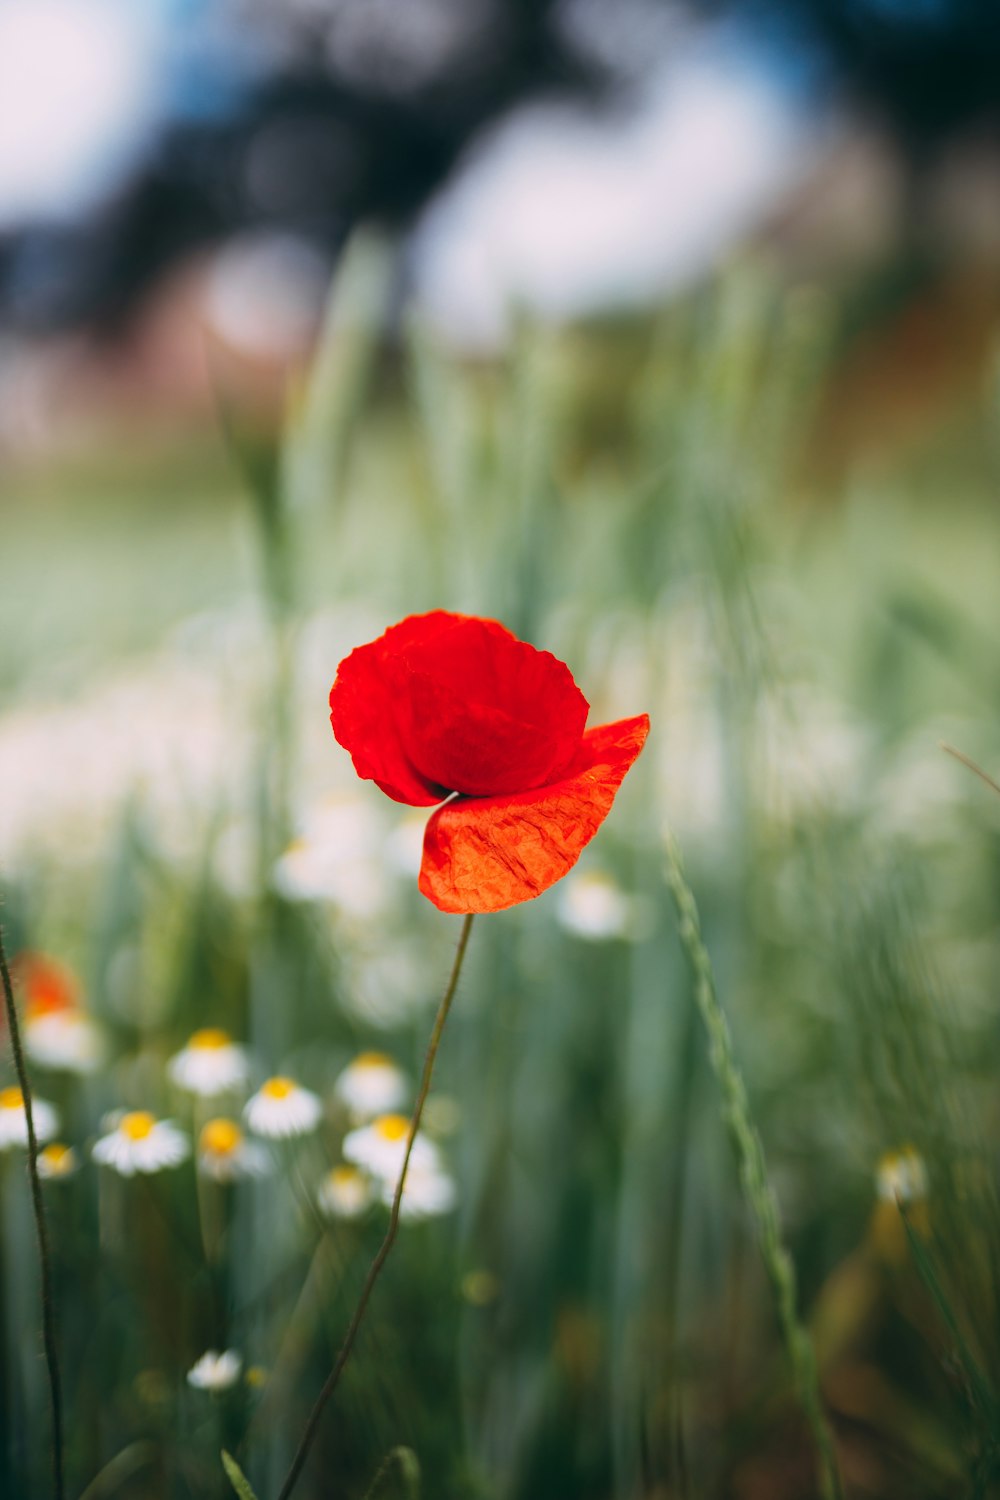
(236, 1477)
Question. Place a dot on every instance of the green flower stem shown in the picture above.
(753, 1173)
(330, 1384)
(48, 1305)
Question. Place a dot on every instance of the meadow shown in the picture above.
(577, 1307)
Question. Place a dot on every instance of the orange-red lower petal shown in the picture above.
(484, 854)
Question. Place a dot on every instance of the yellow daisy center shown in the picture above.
(277, 1088)
(373, 1060)
(11, 1099)
(221, 1137)
(344, 1176)
(57, 1155)
(393, 1127)
(209, 1039)
(137, 1125)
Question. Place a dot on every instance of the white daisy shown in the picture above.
(336, 858)
(141, 1143)
(215, 1371)
(282, 1108)
(381, 1146)
(225, 1154)
(14, 1122)
(592, 906)
(428, 1191)
(345, 1193)
(57, 1161)
(371, 1085)
(64, 1040)
(901, 1176)
(211, 1063)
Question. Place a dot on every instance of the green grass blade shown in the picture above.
(236, 1477)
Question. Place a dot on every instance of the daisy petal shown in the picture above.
(483, 854)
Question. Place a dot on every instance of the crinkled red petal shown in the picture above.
(444, 702)
(483, 854)
(484, 713)
(364, 713)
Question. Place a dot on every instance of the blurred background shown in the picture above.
(668, 334)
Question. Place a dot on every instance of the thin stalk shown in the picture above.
(45, 1266)
(970, 765)
(374, 1270)
(753, 1173)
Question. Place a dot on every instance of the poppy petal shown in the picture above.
(483, 854)
(484, 713)
(364, 702)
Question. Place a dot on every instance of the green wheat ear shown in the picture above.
(753, 1172)
(236, 1477)
(406, 1462)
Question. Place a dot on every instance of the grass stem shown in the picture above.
(44, 1262)
(753, 1173)
(374, 1270)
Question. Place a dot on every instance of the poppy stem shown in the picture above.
(330, 1384)
(753, 1174)
(45, 1266)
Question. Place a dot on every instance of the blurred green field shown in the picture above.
(177, 825)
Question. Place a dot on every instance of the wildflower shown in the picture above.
(901, 1184)
(371, 1085)
(57, 1032)
(14, 1121)
(337, 858)
(444, 703)
(345, 1193)
(901, 1176)
(44, 984)
(57, 1161)
(139, 1142)
(211, 1063)
(225, 1154)
(282, 1108)
(63, 1040)
(428, 1190)
(215, 1371)
(593, 906)
(381, 1146)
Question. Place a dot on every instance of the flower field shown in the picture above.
(703, 1202)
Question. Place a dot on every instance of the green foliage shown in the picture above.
(594, 1319)
(236, 1477)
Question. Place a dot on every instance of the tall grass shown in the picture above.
(594, 1319)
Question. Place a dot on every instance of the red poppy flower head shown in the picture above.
(452, 706)
(43, 984)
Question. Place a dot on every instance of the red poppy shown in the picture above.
(451, 706)
(44, 984)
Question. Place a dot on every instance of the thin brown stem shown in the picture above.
(330, 1384)
(45, 1267)
(971, 765)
